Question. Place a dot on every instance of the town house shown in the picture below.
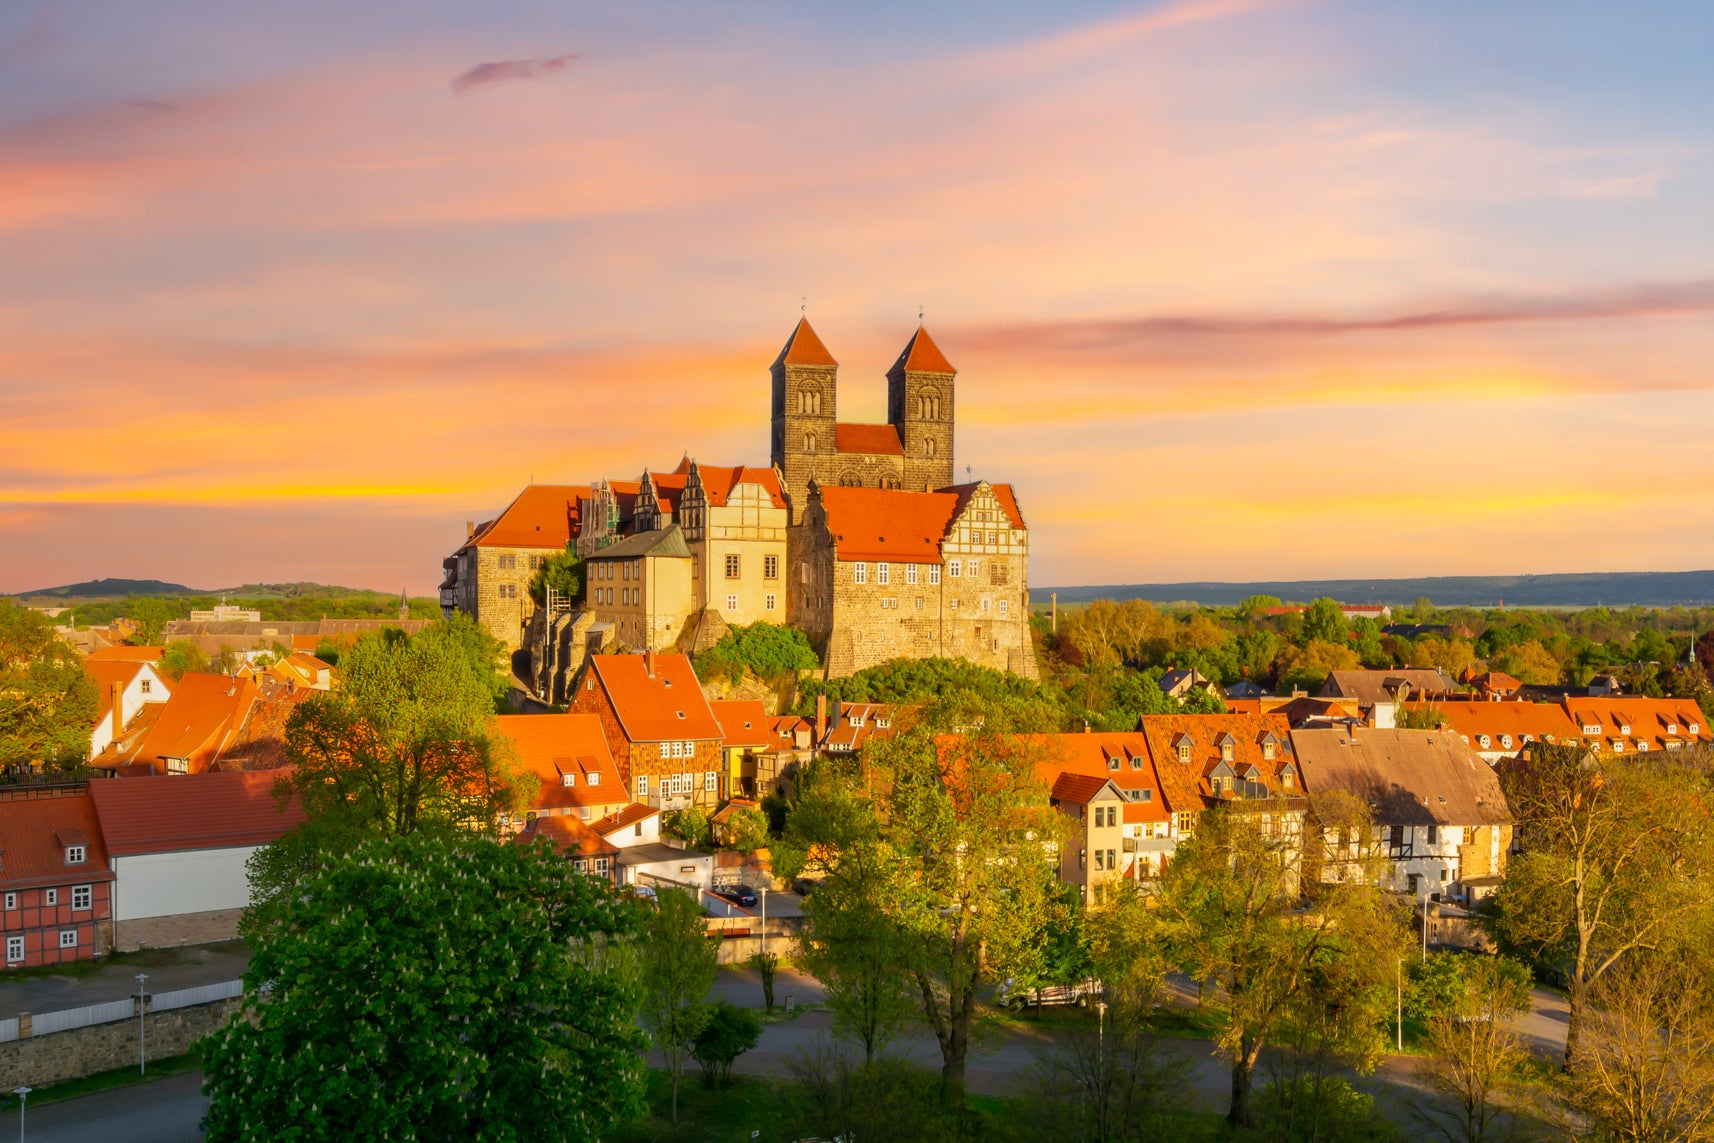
(569, 755)
(56, 892)
(126, 688)
(1245, 762)
(489, 576)
(659, 727)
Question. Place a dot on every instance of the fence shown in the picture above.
(43, 1023)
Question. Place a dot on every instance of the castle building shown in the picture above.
(883, 573)
(489, 577)
(642, 586)
(912, 451)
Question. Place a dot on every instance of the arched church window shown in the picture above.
(809, 442)
(809, 401)
(850, 480)
(928, 447)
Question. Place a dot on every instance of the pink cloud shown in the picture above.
(501, 71)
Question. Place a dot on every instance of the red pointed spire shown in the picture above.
(805, 348)
(922, 355)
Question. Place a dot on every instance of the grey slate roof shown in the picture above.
(667, 542)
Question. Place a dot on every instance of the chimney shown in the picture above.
(118, 692)
(649, 662)
(820, 717)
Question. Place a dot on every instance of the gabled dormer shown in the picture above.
(1227, 745)
(1183, 745)
(1270, 745)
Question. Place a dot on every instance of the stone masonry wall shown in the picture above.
(41, 1060)
(179, 929)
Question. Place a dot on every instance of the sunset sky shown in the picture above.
(1237, 289)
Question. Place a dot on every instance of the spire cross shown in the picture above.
(919, 313)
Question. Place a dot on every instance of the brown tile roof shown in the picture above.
(1406, 777)
(1189, 785)
(568, 835)
(555, 746)
(667, 707)
(803, 347)
(875, 440)
(1076, 788)
(192, 811)
(1370, 687)
(922, 355)
(620, 819)
(260, 743)
(542, 516)
(36, 827)
(197, 723)
(745, 721)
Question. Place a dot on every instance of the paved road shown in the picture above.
(168, 969)
(163, 1111)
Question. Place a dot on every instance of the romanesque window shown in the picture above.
(891, 482)
(809, 401)
(928, 407)
(809, 442)
(850, 480)
(928, 447)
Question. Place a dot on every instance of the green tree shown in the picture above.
(151, 614)
(767, 650)
(1476, 1053)
(431, 988)
(563, 573)
(852, 940)
(1309, 666)
(747, 830)
(182, 657)
(690, 825)
(47, 703)
(1325, 621)
(679, 964)
(729, 1032)
(1229, 913)
(1529, 662)
(1252, 607)
(1616, 851)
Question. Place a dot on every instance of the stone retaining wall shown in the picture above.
(42, 1060)
(179, 929)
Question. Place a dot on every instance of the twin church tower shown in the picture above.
(912, 451)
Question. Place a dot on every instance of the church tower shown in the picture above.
(920, 407)
(806, 391)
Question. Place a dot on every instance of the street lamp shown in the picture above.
(764, 920)
(142, 1029)
(1399, 983)
(1425, 922)
(23, 1093)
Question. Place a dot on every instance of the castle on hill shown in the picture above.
(854, 533)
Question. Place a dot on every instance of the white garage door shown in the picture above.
(195, 881)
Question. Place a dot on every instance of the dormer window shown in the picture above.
(1268, 750)
(1184, 750)
(1136, 761)
(595, 777)
(1484, 741)
(1288, 777)
(1592, 729)
(1625, 730)
(76, 854)
(1113, 762)
(1506, 741)
(1225, 752)
(1672, 728)
(568, 779)
(1695, 728)
(1642, 746)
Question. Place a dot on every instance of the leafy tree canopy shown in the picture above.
(432, 988)
(767, 650)
(562, 572)
(47, 703)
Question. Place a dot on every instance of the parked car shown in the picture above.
(1083, 994)
(737, 894)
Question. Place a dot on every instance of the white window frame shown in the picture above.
(910, 575)
(860, 573)
(711, 780)
(771, 601)
(955, 568)
(76, 854)
(732, 603)
(642, 787)
(82, 897)
(11, 901)
(15, 948)
(883, 573)
(933, 574)
(50, 896)
(68, 938)
(1003, 604)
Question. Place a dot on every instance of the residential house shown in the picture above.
(55, 887)
(734, 521)
(489, 576)
(663, 736)
(1179, 683)
(635, 824)
(303, 670)
(1379, 693)
(1495, 686)
(1500, 730)
(1107, 784)
(201, 719)
(1242, 761)
(124, 688)
(642, 586)
(178, 850)
(748, 735)
(1440, 818)
(569, 755)
(854, 724)
(573, 838)
(1630, 725)
(792, 742)
(644, 859)
(1244, 691)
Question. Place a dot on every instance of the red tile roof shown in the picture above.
(554, 746)
(619, 819)
(542, 516)
(569, 835)
(1650, 720)
(922, 355)
(667, 707)
(745, 722)
(260, 743)
(106, 672)
(1188, 785)
(1521, 721)
(120, 653)
(193, 811)
(719, 482)
(31, 831)
(890, 524)
(201, 718)
(1094, 755)
(803, 347)
(878, 440)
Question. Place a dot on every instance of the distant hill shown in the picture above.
(108, 588)
(1612, 589)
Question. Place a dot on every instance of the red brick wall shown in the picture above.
(591, 698)
(40, 924)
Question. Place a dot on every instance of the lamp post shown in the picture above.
(23, 1093)
(1425, 922)
(764, 920)
(1399, 983)
(142, 1028)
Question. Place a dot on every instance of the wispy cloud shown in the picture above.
(500, 71)
(1106, 334)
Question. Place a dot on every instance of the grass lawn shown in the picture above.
(105, 1081)
(717, 1116)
